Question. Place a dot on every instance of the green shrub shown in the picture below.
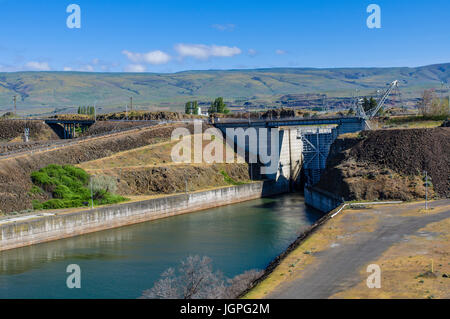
(35, 190)
(69, 187)
(37, 205)
(229, 180)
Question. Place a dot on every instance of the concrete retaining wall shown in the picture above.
(63, 225)
(321, 200)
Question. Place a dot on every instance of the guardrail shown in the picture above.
(364, 203)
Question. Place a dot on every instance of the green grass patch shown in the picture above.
(69, 187)
(230, 180)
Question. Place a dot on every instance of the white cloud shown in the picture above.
(86, 68)
(280, 52)
(224, 27)
(203, 52)
(94, 65)
(252, 52)
(135, 68)
(8, 68)
(37, 66)
(152, 57)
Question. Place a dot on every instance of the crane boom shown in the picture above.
(383, 98)
(369, 114)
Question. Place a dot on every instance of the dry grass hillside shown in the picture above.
(138, 159)
(150, 170)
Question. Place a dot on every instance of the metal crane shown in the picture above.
(371, 113)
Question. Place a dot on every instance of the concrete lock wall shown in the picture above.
(63, 225)
(321, 200)
(290, 149)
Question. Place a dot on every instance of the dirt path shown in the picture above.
(335, 258)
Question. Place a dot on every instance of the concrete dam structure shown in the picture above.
(303, 144)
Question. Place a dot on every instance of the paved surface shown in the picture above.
(338, 267)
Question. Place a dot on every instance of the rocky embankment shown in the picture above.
(389, 164)
(141, 172)
(15, 181)
(14, 130)
(147, 116)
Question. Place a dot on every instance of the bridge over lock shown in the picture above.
(303, 143)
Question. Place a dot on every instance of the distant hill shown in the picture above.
(49, 90)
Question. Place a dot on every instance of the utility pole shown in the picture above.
(426, 190)
(15, 109)
(131, 103)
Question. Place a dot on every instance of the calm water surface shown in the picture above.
(122, 262)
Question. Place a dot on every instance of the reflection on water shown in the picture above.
(121, 262)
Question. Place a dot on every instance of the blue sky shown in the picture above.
(175, 35)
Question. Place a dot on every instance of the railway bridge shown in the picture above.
(66, 128)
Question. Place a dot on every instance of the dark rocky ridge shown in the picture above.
(389, 164)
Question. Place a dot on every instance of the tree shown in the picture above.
(191, 107)
(218, 106)
(369, 104)
(430, 104)
(241, 283)
(88, 110)
(365, 104)
(103, 184)
(196, 279)
(372, 103)
(195, 107)
(425, 101)
(188, 108)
